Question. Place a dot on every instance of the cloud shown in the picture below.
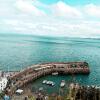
(63, 9)
(31, 17)
(92, 10)
(11, 22)
(27, 7)
(61, 28)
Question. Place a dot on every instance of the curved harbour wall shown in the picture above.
(35, 71)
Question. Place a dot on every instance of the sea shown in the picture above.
(18, 52)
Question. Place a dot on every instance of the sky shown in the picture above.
(71, 18)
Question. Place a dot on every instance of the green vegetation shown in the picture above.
(1, 95)
(32, 98)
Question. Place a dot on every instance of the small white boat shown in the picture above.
(92, 86)
(48, 82)
(55, 73)
(41, 89)
(97, 87)
(45, 81)
(62, 83)
(51, 83)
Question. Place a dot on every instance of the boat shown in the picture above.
(62, 83)
(51, 83)
(97, 87)
(48, 82)
(41, 89)
(45, 81)
(55, 73)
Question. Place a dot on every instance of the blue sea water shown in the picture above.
(20, 51)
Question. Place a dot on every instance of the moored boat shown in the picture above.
(62, 83)
(41, 89)
(51, 83)
(44, 82)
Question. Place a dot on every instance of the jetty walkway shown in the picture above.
(23, 77)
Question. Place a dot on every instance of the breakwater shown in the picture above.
(33, 72)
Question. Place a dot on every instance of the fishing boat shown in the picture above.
(51, 83)
(48, 82)
(62, 83)
(41, 89)
(45, 81)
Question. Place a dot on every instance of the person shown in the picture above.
(39, 97)
(6, 97)
(77, 97)
(26, 98)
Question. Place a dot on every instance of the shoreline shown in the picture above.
(7, 74)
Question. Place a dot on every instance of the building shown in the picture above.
(3, 83)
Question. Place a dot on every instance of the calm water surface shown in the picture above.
(19, 51)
